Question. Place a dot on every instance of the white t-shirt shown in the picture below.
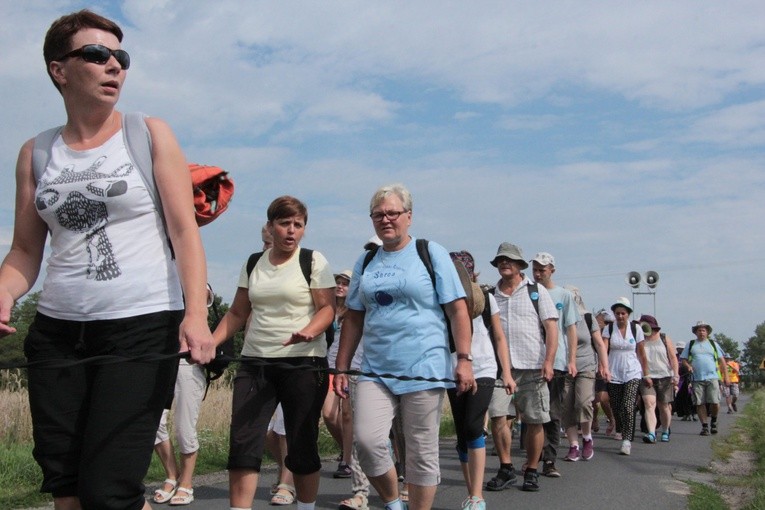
(282, 304)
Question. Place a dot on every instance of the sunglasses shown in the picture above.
(99, 54)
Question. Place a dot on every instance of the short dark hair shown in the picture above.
(58, 38)
(286, 207)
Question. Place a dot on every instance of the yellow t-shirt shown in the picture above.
(281, 305)
(733, 376)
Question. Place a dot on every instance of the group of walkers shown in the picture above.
(126, 276)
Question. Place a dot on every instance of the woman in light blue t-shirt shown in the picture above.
(393, 303)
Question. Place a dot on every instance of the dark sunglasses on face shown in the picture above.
(99, 54)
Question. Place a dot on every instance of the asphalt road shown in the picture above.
(652, 477)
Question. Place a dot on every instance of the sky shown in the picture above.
(618, 136)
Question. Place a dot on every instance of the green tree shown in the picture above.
(728, 345)
(12, 346)
(754, 354)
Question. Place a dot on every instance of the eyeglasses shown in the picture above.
(391, 215)
(99, 54)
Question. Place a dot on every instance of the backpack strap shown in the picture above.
(424, 253)
(370, 254)
(306, 264)
(486, 314)
(588, 321)
(137, 139)
(533, 289)
(41, 152)
(251, 262)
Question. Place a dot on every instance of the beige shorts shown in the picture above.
(501, 404)
(532, 396)
(706, 392)
(662, 389)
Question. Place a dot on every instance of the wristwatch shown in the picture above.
(468, 357)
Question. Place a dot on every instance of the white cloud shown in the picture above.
(618, 136)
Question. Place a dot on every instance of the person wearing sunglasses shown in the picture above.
(112, 285)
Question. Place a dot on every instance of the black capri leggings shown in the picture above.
(94, 425)
(257, 391)
(469, 411)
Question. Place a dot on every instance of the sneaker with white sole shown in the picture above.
(588, 450)
(626, 447)
(573, 453)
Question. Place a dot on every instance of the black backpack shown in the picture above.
(223, 353)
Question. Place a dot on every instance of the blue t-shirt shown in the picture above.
(702, 360)
(567, 315)
(404, 325)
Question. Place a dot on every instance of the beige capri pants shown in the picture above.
(374, 409)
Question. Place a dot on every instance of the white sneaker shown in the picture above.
(626, 447)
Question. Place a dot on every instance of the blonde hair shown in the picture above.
(392, 189)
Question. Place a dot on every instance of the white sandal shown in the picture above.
(179, 500)
(163, 496)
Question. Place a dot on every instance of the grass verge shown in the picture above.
(744, 486)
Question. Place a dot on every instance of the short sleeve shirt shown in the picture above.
(282, 304)
(522, 326)
(702, 360)
(404, 325)
(568, 315)
(623, 362)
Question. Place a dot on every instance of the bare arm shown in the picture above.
(21, 265)
(672, 357)
(503, 354)
(235, 318)
(551, 346)
(724, 369)
(457, 314)
(572, 339)
(643, 363)
(350, 336)
(602, 350)
(174, 187)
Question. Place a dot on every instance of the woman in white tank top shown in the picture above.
(663, 372)
(112, 286)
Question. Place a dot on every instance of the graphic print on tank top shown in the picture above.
(88, 214)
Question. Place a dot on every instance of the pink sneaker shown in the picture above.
(588, 451)
(573, 453)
